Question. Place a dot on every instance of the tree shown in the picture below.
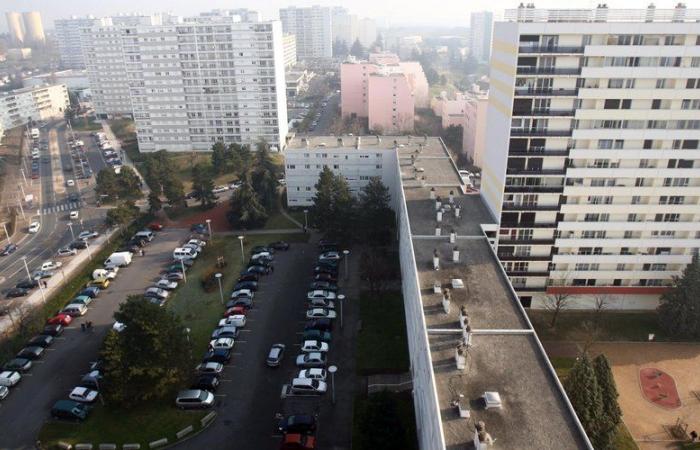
(203, 184)
(122, 215)
(357, 50)
(129, 183)
(323, 200)
(154, 202)
(557, 300)
(149, 359)
(376, 218)
(611, 417)
(381, 426)
(582, 389)
(377, 270)
(106, 184)
(264, 175)
(340, 48)
(174, 191)
(679, 310)
(219, 157)
(246, 210)
(242, 154)
(378, 44)
(452, 136)
(333, 212)
(125, 185)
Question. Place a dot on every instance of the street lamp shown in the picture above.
(209, 227)
(346, 254)
(87, 247)
(4, 225)
(187, 334)
(341, 297)
(221, 290)
(41, 288)
(332, 370)
(240, 238)
(306, 218)
(70, 225)
(184, 274)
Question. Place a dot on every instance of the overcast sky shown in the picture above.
(393, 12)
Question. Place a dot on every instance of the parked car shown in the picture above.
(27, 284)
(262, 255)
(320, 313)
(242, 293)
(297, 423)
(319, 324)
(309, 360)
(249, 277)
(67, 251)
(83, 395)
(235, 311)
(78, 244)
(332, 271)
(324, 286)
(102, 284)
(314, 346)
(320, 294)
(60, 319)
(209, 382)
(194, 399)
(225, 343)
(219, 189)
(218, 355)
(88, 234)
(82, 299)
(322, 276)
(321, 303)
(34, 227)
(41, 274)
(244, 302)
(41, 340)
(308, 386)
(18, 365)
(166, 284)
(91, 380)
(329, 256)
(318, 335)
(261, 248)
(54, 329)
(51, 265)
(226, 331)
(16, 292)
(209, 367)
(197, 242)
(92, 291)
(237, 320)
(267, 263)
(279, 245)
(274, 356)
(70, 410)
(8, 249)
(199, 228)
(156, 292)
(174, 276)
(9, 378)
(246, 285)
(259, 269)
(31, 352)
(296, 441)
(155, 226)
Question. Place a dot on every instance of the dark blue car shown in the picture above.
(8, 249)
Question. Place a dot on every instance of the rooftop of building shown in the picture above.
(529, 13)
(27, 89)
(504, 354)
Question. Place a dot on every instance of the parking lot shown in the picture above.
(249, 397)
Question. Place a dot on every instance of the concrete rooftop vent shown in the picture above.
(379, 140)
(357, 142)
(492, 400)
(340, 142)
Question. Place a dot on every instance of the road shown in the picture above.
(24, 411)
(52, 208)
(328, 115)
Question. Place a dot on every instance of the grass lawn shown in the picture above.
(86, 124)
(404, 415)
(624, 440)
(614, 326)
(381, 344)
(105, 425)
(562, 365)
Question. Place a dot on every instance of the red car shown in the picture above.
(155, 226)
(295, 441)
(60, 319)
(236, 310)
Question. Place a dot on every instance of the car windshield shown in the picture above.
(203, 395)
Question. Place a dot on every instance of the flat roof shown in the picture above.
(504, 355)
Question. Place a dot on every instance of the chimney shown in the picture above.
(436, 260)
(453, 237)
(439, 216)
(438, 231)
(340, 142)
(357, 142)
(432, 191)
(455, 254)
(379, 140)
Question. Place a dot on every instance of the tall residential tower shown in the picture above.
(312, 28)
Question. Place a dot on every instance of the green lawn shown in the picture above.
(381, 343)
(614, 326)
(105, 425)
(400, 412)
(624, 440)
(562, 365)
(86, 124)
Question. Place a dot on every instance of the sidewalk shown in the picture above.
(116, 143)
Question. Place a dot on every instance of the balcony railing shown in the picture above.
(532, 70)
(546, 112)
(518, 273)
(550, 49)
(515, 171)
(511, 257)
(521, 207)
(527, 91)
(535, 189)
(539, 132)
(526, 241)
(528, 224)
(538, 152)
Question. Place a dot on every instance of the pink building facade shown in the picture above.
(384, 90)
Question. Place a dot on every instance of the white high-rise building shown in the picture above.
(480, 30)
(36, 103)
(312, 28)
(593, 161)
(192, 82)
(68, 39)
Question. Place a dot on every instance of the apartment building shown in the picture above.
(384, 90)
(593, 166)
(43, 102)
(190, 82)
(312, 28)
(348, 28)
(289, 49)
(67, 34)
(480, 30)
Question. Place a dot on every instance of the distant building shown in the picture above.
(312, 28)
(367, 31)
(344, 26)
(480, 29)
(289, 47)
(19, 54)
(67, 35)
(298, 82)
(33, 28)
(36, 103)
(73, 79)
(15, 27)
(384, 90)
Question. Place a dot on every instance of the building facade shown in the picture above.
(33, 28)
(312, 27)
(15, 27)
(36, 103)
(192, 82)
(289, 48)
(68, 32)
(480, 30)
(593, 163)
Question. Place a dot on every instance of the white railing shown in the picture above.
(602, 15)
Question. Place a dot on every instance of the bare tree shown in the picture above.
(601, 302)
(556, 302)
(23, 318)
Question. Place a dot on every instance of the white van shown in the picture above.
(145, 234)
(184, 253)
(118, 259)
(75, 310)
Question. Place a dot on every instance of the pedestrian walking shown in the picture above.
(82, 327)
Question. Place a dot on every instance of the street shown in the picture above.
(328, 115)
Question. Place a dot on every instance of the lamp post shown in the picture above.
(208, 221)
(4, 225)
(87, 247)
(341, 297)
(221, 290)
(187, 334)
(70, 225)
(346, 254)
(41, 287)
(332, 370)
(184, 274)
(240, 238)
(306, 218)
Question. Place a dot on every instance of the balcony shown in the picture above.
(511, 257)
(529, 224)
(535, 92)
(539, 151)
(531, 70)
(513, 273)
(536, 189)
(514, 171)
(539, 132)
(526, 241)
(530, 207)
(550, 49)
(548, 112)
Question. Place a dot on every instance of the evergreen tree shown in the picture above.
(264, 175)
(154, 202)
(174, 191)
(246, 210)
(322, 210)
(203, 184)
(122, 215)
(219, 157)
(357, 50)
(106, 184)
(343, 219)
(582, 389)
(340, 48)
(679, 310)
(375, 216)
(612, 414)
